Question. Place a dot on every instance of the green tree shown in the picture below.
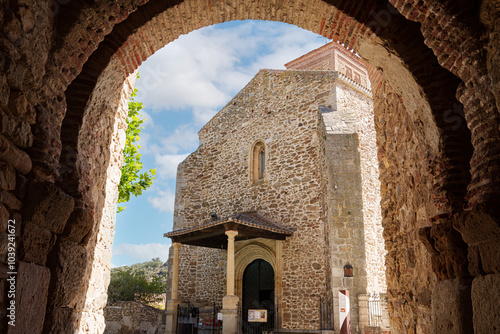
(127, 285)
(132, 182)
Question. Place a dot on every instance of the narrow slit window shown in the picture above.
(262, 162)
(258, 162)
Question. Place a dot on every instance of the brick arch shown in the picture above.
(85, 39)
(125, 46)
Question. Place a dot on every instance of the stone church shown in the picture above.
(278, 208)
(66, 73)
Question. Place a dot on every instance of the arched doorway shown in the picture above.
(258, 294)
(90, 37)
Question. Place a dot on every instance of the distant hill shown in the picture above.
(150, 268)
(125, 286)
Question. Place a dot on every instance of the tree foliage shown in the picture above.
(128, 285)
(155, 267)
(132, 182)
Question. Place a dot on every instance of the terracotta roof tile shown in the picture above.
(250, 218)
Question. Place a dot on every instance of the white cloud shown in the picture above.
(164, 202)
(142, 253)
(184, 138)
(207, 67)
(202, 116)
(167, 164)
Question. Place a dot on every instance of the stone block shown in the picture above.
(61, 320)
(4, 91)
(31, 298)
(48, 206)
(478, 225)
(79, 224)
(7, 176)
(448, 250)
(490, 256)
(452, 307)
(230, 321)
(485, 304)
(37, 243)
(21, 108)
(16, 130)
(68, 266)
(14, 156)
(4, 217)
(10, 201)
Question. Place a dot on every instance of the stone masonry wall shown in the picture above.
(280, 108)
(354, 190)
(423, 49)
(132, 318)
(345, 206)
(406, 205)
(98, 275)
(352, 113)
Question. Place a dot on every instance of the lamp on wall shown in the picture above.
(213, 215)
(347, 270)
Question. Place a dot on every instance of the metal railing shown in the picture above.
(375, 310)
(326, 313)
(187, 319)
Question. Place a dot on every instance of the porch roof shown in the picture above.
(211, 234)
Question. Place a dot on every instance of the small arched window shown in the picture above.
(258, 162)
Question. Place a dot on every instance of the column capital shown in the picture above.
(231, 234)
(176, 245)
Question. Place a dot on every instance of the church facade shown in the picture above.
(278, 208)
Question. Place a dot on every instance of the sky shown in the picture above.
(182, 86)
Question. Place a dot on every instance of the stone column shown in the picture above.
(175, 272)
(230, 301)
(173, 302)
(364, 317)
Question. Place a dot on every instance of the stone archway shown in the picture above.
(440, 182)
(247, 255)
(269, 251)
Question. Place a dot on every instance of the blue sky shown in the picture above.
(182, 86)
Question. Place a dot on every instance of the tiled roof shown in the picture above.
(251, 219)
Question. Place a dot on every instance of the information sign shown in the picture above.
(344, 310)
(257, 315)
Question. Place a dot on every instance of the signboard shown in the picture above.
(344, 310)
(257, 315)
(219, 316)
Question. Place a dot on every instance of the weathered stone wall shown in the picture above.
(98, 275)
(351, 113)
(52, 53)
(345, 207)
(132, 318)
(281, 109)
(354, 191)
(407, 204)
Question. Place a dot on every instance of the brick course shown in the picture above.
(52, 53)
